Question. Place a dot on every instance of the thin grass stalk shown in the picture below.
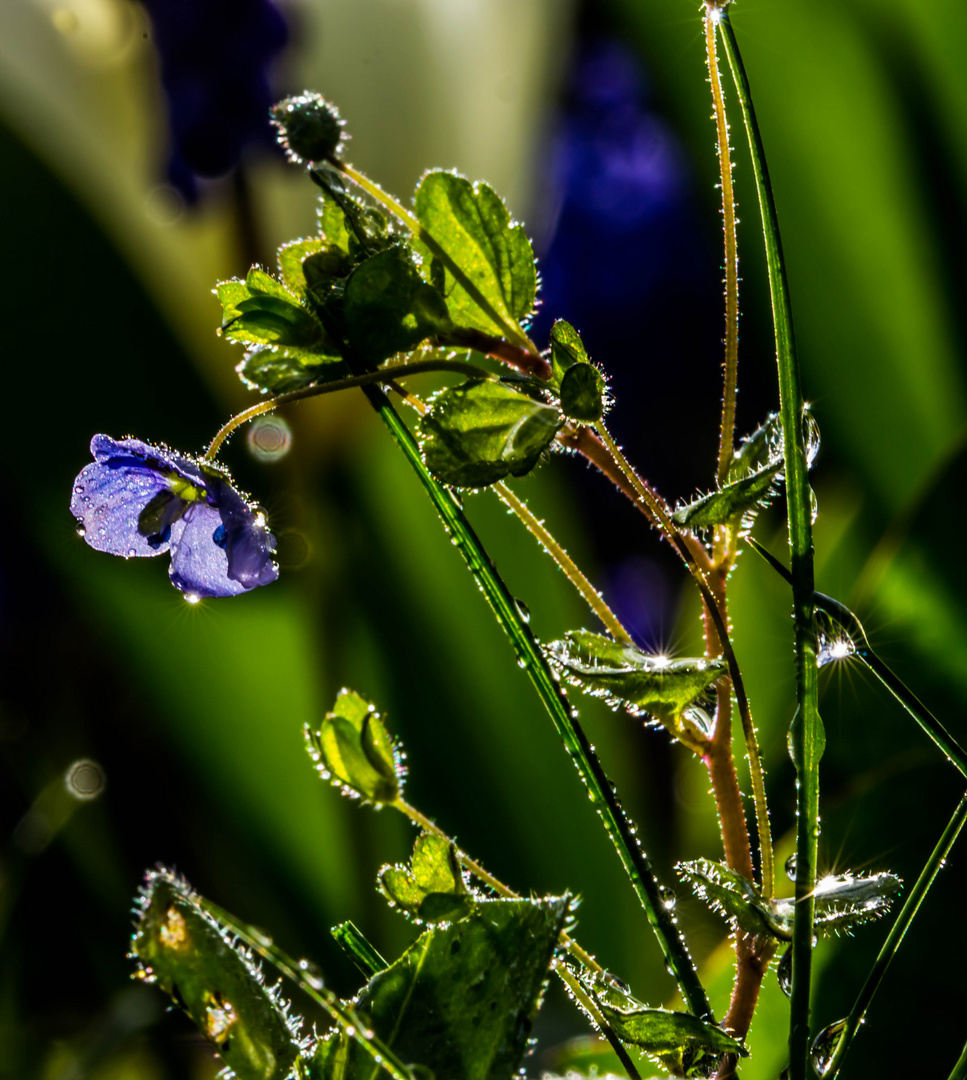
(806, 733)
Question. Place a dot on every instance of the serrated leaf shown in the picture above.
(730, 502)
(478, 433)
(432, 887)
(680, 1036)
(275, 370)
(388, 308)
(567, 349)
(217, 983)
(462, 999)
(844, 901)
(760, 450)
(472, 225)
(582, 393)
(353, 748)
(655, 684)
(291, 257)
(735, 898)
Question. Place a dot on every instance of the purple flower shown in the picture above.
(139, 499)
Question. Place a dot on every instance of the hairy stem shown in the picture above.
(567, 942)
(806, 733)
(547, 684)
(731, 361)
(369, 378)
(659, 512)
(565, 563)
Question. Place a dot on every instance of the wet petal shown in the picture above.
(199, 566)
(107, 500)
(248, 544)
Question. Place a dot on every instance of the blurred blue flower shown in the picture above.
(215, 57)
(139, 499)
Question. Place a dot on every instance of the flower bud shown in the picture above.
(310, 128)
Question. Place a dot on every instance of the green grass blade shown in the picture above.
(892, 944)
(806, 733)
(547, 684)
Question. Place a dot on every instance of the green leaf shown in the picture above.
(346, 222)
(352, 942)
(845, 901)
(291, 257)
(462, 999)
(472, 225)
(655, 684)
(736, 899)
(277, 371)
(431, 888)
(674, 1037)
(760, 450)
(567, 349)
(388, 308)
(353, 749)
(261, 311)
(478, 433)
(730, 502)
(193, 959)
(582, 393)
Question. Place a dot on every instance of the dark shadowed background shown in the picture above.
(136, 171)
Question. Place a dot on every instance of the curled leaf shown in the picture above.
(432, 888)
(845, 901)
(735, 898)
(582, 393)
(353, 749)
(199, 964)
(657, 685)
(679, 1039)
(482, 431)
(731, 502)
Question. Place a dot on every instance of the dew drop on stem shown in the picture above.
(791, 867)
(824, 1046)
(784, 972)
(668, 897)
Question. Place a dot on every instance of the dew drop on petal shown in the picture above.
(192, 598)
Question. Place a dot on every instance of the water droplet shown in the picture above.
(668, 897)
(669, 968)
(791, 867)
(132, 552)
(311, 973)
(192, 598)
(85, 780)
(824, 1046)
(523, 610)
(78, 489)
(784, 972)
(79, 529)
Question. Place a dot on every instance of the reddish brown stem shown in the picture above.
(530, 363)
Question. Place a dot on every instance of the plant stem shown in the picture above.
(901, 925)
(383, 1057)
(564, 562)
(547, 683)
(511, 332)
(659, 512)
(806, 732)
(959, 1071)
(386, 375)
(567, 942)
(730, 365)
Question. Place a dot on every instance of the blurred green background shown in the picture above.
(195, 716)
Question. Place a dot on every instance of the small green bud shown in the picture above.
(310, 128)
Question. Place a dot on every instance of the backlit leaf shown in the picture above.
(198, 963)
(291, 257)
(735, 898)
(388, 308)
(657, 685)
(277, 371)
(358, 949)
(462, 999)
(353, 749)
(582, 393)
(473, 226)
(845, 901)
(677, 1038)
(478, 433)
(566, 349)
(432, 887)
(730, 502)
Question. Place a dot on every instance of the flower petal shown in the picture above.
(199, 565)
(107, 499)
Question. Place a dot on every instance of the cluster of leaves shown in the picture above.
(363, 292)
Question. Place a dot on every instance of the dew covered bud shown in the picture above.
(310, 128)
